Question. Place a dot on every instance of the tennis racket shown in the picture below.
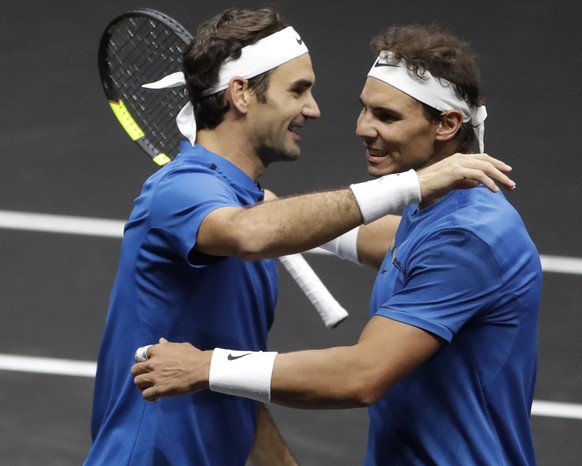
(142, 46)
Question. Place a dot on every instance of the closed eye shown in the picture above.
(383, 114)
(386, 115)
(301, 86)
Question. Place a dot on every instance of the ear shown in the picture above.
(449, 125)
(239, 93)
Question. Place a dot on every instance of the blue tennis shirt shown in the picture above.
(465, 270)
(164, 289)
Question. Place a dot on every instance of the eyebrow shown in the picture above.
(301, 85)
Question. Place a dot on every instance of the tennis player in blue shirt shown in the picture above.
(447, 362)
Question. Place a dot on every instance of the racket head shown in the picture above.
(139, 47)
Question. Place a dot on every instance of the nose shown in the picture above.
(311, 109)
(364, 126)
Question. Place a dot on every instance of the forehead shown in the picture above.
(377, 93)
(298, 69)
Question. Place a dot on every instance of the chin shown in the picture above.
(270, 155)
(289, 156)
(376, 171)
(291, 153)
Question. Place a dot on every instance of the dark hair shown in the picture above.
(219, 38)
(429, 47)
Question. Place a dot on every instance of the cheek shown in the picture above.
(420, 137)
(392, 135)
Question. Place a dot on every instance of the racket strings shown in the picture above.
(142, 51)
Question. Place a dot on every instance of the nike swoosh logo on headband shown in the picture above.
(230, 357)
(299, 40)
(378, 64)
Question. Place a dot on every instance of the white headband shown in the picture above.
(435, 92)
(255, 59)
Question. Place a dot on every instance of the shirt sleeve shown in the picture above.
(449, 278)
(181, 203)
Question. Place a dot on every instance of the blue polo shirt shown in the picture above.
(165, 289)
(465, 270)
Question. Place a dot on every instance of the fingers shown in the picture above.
(463, 171)
(171, 369)
(141, 371)
(476, 177)
(143, 381)
(139, 368)
(485, 169)
(149, 391)
(499, 177)
(143, 353)
(150, 398)
(491, 170)
(500, 165)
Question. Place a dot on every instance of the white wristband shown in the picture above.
(242, 373)
(345, 246)
(389, 194)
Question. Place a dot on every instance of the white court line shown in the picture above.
(72, 368)
(9, 362)
(114, 229)
(61, 224)
(561, 264)
(553, 409)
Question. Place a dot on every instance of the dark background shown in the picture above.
(63, 153)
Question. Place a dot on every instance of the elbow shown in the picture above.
(361, 380)
(250, 243)
(233, 232)
(365, 390)
(367, 396)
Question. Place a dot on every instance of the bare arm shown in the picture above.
(340, 377)
(269, 447)
(299, 223)
(279, 227)
(351, 376)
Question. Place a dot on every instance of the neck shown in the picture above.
(442, 151)
(230, 142)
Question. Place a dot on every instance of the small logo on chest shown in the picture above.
(395, 262)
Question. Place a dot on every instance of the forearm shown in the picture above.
(319, 379)
(340, 377)
(291, 225)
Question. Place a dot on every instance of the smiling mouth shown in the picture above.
(295, 129)
(295, 132)
(375, 155)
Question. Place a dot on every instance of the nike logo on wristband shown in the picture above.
(230, 357)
